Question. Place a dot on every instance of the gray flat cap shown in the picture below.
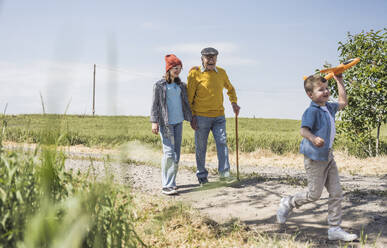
(209, 51)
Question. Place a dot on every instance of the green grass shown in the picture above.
(278, 135)
(42, 205)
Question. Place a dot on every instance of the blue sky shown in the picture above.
(266, 47)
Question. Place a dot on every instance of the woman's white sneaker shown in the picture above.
(169, 191)
(336, 233)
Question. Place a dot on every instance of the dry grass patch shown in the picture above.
(70, 149)
(374, 166)
(167, 223)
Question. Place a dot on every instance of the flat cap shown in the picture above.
(209, 51)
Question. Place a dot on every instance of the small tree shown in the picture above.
(366, 85)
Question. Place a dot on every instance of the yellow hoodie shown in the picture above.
(205, 91)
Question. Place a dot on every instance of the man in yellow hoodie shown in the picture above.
(205, 86)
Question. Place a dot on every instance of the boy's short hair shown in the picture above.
(311, 81)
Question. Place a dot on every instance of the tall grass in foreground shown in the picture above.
(42, 205)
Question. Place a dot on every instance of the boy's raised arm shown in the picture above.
(343, 100)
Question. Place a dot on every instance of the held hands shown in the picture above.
(194, 123)
(155, 128)
(317, 141)
(236, 108)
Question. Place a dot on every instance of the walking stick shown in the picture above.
(236, 144)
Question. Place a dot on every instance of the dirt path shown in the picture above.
(254, 199)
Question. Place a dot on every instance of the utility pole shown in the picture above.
(41, 99)
(94, 91)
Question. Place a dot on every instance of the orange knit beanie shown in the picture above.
(171, 61)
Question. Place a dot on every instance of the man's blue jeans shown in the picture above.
(171, 138)
(218, 127)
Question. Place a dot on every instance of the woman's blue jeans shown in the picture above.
(171, 137)
(218, 127)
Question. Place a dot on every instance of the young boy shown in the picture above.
(318, 130)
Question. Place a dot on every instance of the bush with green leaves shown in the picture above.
(366, 85)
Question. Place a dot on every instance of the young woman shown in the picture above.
(170, 108)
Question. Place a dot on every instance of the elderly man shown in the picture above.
(205, 86)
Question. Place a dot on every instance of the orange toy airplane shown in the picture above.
(339, 69)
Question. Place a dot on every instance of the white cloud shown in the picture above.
(150, 25)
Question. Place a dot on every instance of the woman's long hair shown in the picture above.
(168, 78)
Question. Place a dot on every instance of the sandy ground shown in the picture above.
(254, 199)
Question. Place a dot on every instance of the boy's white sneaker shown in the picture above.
(284, 209)
(336, 233)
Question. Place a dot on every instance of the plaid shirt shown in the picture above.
(159, 110)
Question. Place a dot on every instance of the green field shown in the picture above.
(278, 135)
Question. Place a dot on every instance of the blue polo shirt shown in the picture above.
(174, 105)
(318, 121)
